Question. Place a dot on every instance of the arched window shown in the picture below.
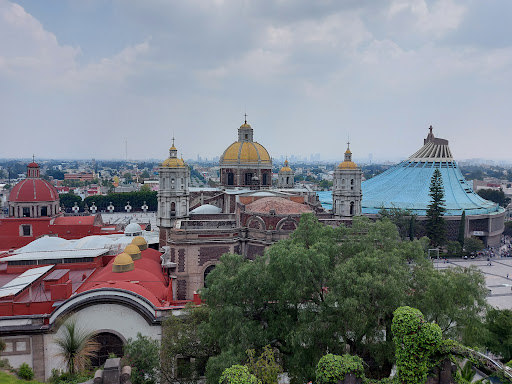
(264, 179)
(109, 343)
(206, 272)
(231, 178)
(351, 208)
(173, 208)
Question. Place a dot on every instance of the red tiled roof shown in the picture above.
(135, 288)
(280, 205)
(74, 220)
(33, 190)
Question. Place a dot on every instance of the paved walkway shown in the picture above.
(498, 277)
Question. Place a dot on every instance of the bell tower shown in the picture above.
(173, 192)
(346, 193)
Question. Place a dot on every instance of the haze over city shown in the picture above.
(79, 79)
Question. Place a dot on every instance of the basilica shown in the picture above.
(245, 214)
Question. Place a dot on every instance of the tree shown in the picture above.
(237, 374)
(265, 367)
(128, 178)
(497, 196)
(75, 345)
(508, 228)
(332, 289)
(185, 348)
(499, 332)
(472, 245)
(404, 219)
(143, 354)
(436, 225)
(462, 229)
(68, 200)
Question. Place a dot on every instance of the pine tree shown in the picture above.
(436, 225)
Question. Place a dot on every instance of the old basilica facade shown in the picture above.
(244, 215)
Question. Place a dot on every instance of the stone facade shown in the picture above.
(346, 193)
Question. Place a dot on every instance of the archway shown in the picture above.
(207, 271)
(109, 344)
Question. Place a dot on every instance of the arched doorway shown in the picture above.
(206, 272)
(109, 344)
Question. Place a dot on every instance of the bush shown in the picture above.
(237, 374)
(143, 354)
(25, 372)
(332, 368)
(4, 364)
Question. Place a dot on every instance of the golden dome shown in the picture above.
(173, 148)
(347, 165)
(123, 263)
(174, 163)
(245, 125)
(348, 151)
(134, 251)
(140, 242)
(241, 152)
(286, 168)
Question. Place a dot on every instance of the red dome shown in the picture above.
(33, 165)
(33, 190)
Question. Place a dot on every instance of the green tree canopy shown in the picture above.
(499, 332)
(332, 289)
(496, 195)
(68, 200)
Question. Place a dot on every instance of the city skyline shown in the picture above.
(78, 79)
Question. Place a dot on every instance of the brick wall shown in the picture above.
(207, 254)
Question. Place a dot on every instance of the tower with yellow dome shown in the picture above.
(346, 192)
(173, 192)
(246, 163)
(285, 176)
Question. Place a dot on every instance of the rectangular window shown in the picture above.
(26, 230)
(26, 212)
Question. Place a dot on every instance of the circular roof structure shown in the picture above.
(206, 209)
(407, 185)
(244, 152)
(140, 242)
(133, 229)
(133, 250)
(279, 205)
(174, 163)
(285, 167)
(33, 190)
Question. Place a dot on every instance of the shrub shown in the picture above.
(237, 374)
(25, 372)
(332, 368)
(143, 354)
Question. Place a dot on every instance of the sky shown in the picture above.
(92, 78)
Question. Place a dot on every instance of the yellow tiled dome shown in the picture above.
(133, 250)
(241, 152)
(286, 168)
(347, 165)
(123, 263)
(140, 242)
(174, 163)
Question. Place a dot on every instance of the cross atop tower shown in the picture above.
(245, 115)
(33, 158)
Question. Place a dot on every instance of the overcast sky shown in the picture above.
(77, 78)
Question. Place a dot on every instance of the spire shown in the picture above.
(173, 152)
(245, 116)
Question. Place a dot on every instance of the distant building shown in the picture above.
(79, 176)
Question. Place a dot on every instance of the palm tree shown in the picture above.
(466, 374)
(76, 346)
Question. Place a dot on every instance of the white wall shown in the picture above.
(103, 317)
